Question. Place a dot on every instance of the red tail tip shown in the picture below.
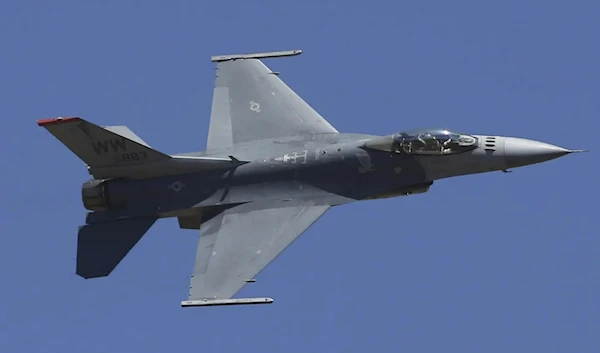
(58, 120)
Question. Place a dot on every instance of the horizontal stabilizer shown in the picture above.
(101, 246)
(234, 301)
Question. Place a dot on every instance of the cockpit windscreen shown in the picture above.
(433, 142)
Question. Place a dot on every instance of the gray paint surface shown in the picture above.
(251, 103)
(272, 167)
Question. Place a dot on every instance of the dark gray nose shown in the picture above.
(520, 152)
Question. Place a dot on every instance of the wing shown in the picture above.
(235, 247)
(250, 103)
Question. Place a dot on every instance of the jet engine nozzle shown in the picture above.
(93, 195)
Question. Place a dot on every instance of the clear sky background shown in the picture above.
(487, 263)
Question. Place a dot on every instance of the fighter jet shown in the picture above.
(271, 168)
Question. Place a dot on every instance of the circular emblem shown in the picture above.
(176, 186)
(255, 107)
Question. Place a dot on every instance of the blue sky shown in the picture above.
(495, 263)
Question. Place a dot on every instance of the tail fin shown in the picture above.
(98, 147)
(101, 246)
(116, 152)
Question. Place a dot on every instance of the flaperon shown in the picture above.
(271, 168)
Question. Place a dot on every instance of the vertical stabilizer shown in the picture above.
(99, 147)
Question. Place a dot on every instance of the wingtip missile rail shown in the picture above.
(272, 54)
(233, 301)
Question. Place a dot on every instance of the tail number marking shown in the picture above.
(129, 157)
(116, 147)
(106, 145)
(134, 156)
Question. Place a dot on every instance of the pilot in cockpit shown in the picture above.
(428, 144)
(434, 143)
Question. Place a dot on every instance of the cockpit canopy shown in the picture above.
(435, 142)
(432, 142)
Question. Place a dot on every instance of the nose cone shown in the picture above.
(520, 152)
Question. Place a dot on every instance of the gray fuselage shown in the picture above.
(320, 169)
